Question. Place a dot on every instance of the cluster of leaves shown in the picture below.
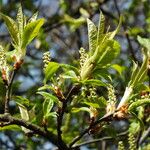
(91, 76)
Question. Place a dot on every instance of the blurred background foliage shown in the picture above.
(63, 33)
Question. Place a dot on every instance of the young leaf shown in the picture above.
(144, 42)
(109, 51)
(118, 68)
(112, 34)
(31, 31)
(138, 103)
(23, 112)
(24, 115)
(94, 82)
(49, 96)
(101, 27)
(12, 28)
(47, 107)
(10, 127)
(21, 100)
(20, 20)
(76, 110)
(33, 18)
(92, 35)
(69, 67)
(94, 105)
(50, 70)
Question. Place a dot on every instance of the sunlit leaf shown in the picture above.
(138, 103)
(31, 30)
(12, 28)
(50, 70)
(10, 127)
(20, 21)
(76, 110)
(92, 36)
(118, 68)
(94, 82)
(48, 96)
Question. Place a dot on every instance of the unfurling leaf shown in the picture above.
(31, 30)
(20, 20)
(92, 36)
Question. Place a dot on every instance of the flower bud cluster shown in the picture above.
(93, 96)
(132, 141)
(83, 56)
(121, 146)
(46, 58)
(111, 105)
(145, 94)
(93, 92)
(4, 68)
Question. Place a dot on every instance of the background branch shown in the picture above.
(36, 129)
(100, 139)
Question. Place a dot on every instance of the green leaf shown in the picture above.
(46, 87)
(33, 18)
(108, 52)
(112, 34)
(76, 110)
(24, 115)
(94, 82)
(21, 100)
(118, 68)
(95, 105)
(49, 96)
(23, 112)
(12, 28)
(69, 74)
(47, 106)
(92, 36)
(31, 30)
(101, 27)
(139, 120)
(10, 127)
(134, 127)
(134, 71)
(144, 42)
(50, 70)
(138, 103)
(69, 67)
(102, 102)
(141, 73)
(20, 20)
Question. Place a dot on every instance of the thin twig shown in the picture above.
(8, 91)
(100, 139)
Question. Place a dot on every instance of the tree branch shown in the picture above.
(9, 120)
(104, 118)
(100, 139)
(61, 112)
